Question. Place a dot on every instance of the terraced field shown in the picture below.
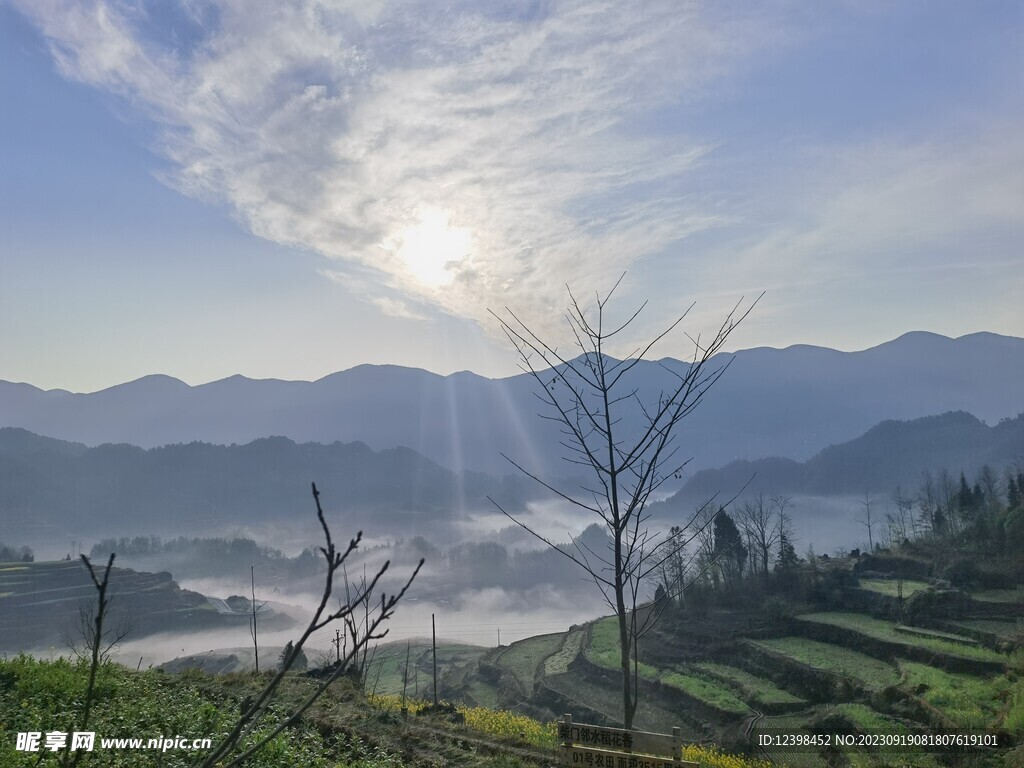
(887, 632)
(756, 690)
(1008, 629)
(870, 673)
(903, 629)
(525, 657)
(890, 587)
(869, 721)
(706, 691)
(843, 670)
(1009, 596)
(971, 702)
(38, 601)
(558, 662)
(603, 649)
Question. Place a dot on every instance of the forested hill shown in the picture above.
(267, 479)
(893, 453)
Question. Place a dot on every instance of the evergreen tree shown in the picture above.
(283, 658)
(787, 553)
(729, 548)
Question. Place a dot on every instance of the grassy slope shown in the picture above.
(885, 630)
(869, 672)
(523, 658)
(756, 689)
(890, 587)
(342, 730)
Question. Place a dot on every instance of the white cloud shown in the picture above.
(396, 308)
(884, 208)
(337, 127)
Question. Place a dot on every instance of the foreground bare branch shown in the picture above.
(222, 755)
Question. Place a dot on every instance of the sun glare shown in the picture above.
(431, 247)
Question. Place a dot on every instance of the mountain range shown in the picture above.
(790, 402)
(890, 454)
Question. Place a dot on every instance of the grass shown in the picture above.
(524, 657)
(1013, 721)
(923, 632)
(870, 721)
(755, 688)
(971, 702)
(884, 630)
(604, 648)
(1006, 630)
(889, 587)
(385, 671)
(501, 724)
(706, 691)
(558, 663)
(869, 672)
(1000, 595)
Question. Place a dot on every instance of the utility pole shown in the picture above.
(433, 641)
(405, 677)
(337, 644)
(255, 644)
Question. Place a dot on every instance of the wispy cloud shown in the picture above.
(879, 209)
(334, 126)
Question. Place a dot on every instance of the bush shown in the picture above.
(963, 573)
(936, 604)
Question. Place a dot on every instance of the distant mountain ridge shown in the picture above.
(890, 454)
(122, 487)
(789, 402)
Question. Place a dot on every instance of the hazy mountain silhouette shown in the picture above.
(771, 402)
(125, 487)
(890, 454)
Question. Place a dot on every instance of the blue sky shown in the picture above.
(288, 189)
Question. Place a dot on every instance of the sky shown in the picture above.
(283, 190)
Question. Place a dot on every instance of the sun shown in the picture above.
(431, 247)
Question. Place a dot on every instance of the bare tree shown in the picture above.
(904, 517)
(80, 636)
(867, 519)
(673, 570)
(358, 625)
(98, 644)
(759, 521)
(588, 396)
(226, 754)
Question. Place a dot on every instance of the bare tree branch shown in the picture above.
(587, 397)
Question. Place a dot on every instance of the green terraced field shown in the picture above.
(1004, 630)
(604, 648)
(755, 688)
(706, 691)
(869, 672)
(869, 721)
(558, 663)
(889, 587)
(904, 629)
(385, 670)
(884, 630)
(524, 657)
(971, 702)
(1013, 596)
